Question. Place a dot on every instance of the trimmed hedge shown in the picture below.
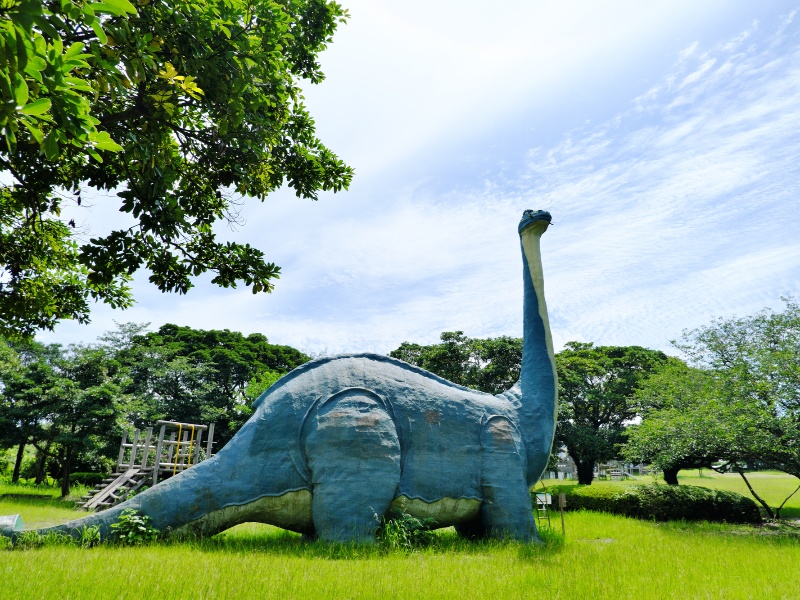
(661, 502)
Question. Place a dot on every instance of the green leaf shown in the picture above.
(78, 84)
(35, 131)
(37, 107)
(20, 90)
(46, 26)
(11, 139)
(51, 145)
(114, 7)
(98, 31)
(102, 141)
(74, 49)
(22, 53)
(36, 64)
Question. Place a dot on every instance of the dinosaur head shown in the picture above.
(531, 217)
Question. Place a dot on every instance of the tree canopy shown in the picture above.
(684, 425)
(596, 398)
(199, 376)
(737, 405)
(490, 365)
(72, 404)
(66, 403)
(181, 107)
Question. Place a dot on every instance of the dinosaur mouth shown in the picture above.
(529, 217)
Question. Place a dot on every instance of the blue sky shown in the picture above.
(663, 137)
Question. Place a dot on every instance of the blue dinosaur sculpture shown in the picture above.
(340, 442)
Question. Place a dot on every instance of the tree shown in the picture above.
(491, 365)
(596, 389)
(181, 105)
(84, 406)
(684, 425)
(756, 363)
(198, 376)
(24, 401)
(64, 403)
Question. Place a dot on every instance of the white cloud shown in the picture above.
(676, 207)
(693, 210)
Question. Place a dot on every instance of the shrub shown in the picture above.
(90, 536)
(134, 529)
(406, 532)
(662, 502)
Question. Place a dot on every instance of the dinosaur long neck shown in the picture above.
(538, 404)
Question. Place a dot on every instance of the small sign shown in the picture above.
(11, 523)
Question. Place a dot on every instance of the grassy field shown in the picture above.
(602, 556)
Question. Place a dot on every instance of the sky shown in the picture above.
(663, 137)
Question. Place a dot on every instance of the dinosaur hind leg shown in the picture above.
(507, 509)
(353, 453)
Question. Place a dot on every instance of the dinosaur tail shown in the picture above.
(170, 504)
(200, 495)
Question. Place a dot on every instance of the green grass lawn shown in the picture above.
(602, 556)
(772, 486)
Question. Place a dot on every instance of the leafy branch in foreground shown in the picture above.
(181, 106)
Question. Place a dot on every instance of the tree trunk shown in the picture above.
(671, 475)
(756, 496)
(778, 510)
(41, 463)
(18, 463)
(67, 467)
(585, 471)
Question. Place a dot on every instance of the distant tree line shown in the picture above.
(734, 402)
(72, 404)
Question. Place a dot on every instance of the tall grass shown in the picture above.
(602, 556)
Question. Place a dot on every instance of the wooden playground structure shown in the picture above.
(142, 462)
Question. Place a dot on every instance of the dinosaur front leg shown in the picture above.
(507, 509)
(353, 454)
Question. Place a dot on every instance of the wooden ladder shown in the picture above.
(543, 501)
(116, 488)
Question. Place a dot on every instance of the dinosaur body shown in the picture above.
(340, 442)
